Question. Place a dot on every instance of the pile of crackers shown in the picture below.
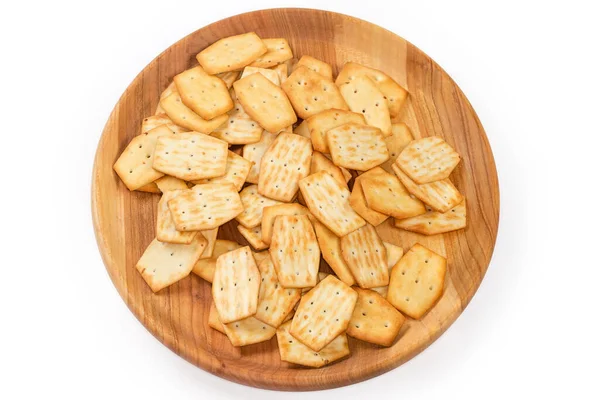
(306, 167)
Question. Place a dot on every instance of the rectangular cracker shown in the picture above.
(310, 93)
(359, 203)
(274, 301)
(302, 130)
(278, 51)
(328, 200)
(270, 74)
(254, 153)
(374, 319)
(400, 138)
(190, 156)
(323, 313)
(206, 206)
(211, 238)
(236, 171)
(149, 188)
(167, 183)
(428, 160)
(265, 102)
(293, 351)
(319, 163)
(184, 117)
(356, 146)
(269, 213)
(165, 226)
(229, 77)
(248, 331)
(386, 194)
(316, 65)
(253, 203)
(163, 264)
(417, 281)
(205, 267)
(235, 285)
(394, 94)
(253, 236)
(231, 53)
(295, 251)
(320, 123)
(204, 94)
(284, 163)
(362, 96)
(282, 72)
(239, 128)
(365, 256)
(433, 222)
(331, 250)
(213, 319)
(440, 195)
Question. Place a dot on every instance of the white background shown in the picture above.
(531, 70)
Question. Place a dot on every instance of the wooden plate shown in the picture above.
(177, 316)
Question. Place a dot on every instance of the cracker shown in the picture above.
(356, 146)
(253, 236)
(269, 214)
(254, 203)
(274, 301)
(206, 206)
(169, 89)
(282, 72)
(183, 116)
(204, 94)
(293, 351)
(433, 222)
(278, 51)
(236, 171)
(374, 319)
(213, 319)
(205, 267)
(284, 163)
(400, 138)
(302, 130)
(359, 203)
(265, 102)
(231, 53)
(319, 162)
(366, 257)
(386, 194)
(229, 77)
(235, 285)
(248, 331)
(320, 123)
(328, 200)
(165, 226)
(211, 238)
(394, 254)
(363, 96)
(155, 121)
(270, 74)
(167, 183)
(163, 264)
(417, 281)
(347, 174)
(190, 156)
(149, 188)
(394, 94)
(260, 256)
(323, 313)
(239, 128)
(331, 250)
(295, 251)
(311, 93)
(428, 160)
(318, 66)
(254, 153)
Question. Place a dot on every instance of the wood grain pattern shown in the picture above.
(177, 316)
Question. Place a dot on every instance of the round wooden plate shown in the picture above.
(177, 316)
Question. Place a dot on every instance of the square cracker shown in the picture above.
(253, 203)
(428, 160)
(331, 250)
(393, 93)
(319, 163)
(269, 214)
(253, 236)
(328, 200)
(211, 237)
(236, 171)
(295, 251)
(231, 53)
(165, 226)
(417, 281)
(320, 123)
(310, 93)
(374, 319)
(356, 146)
(205, 267)
(366, 258)
(400, 138)
(323, 313)
(363, 96)
(433, 222)
(274, 301)
(278, 51)
(359, 203)
(440, 195)
(206, 206)
(163, 264)
(293, 351)
(204, 94)
(265, 102)
(302, 130)
(167, 183)
(386, 194)
(213, 319)
(248, 331)
(235, 285)
(183, 116)
(254, 153)
(316, 65)
(229, 77)
(270, 74)
(284, 163)
(190, 156)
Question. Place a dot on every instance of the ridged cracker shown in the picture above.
(356, 146)
(239, 128)
(319, 163)
(365, 256)
(204, 94)
(400, 138)
(320, 123)
(362, 96)
(165, 226)
(316, 65)
(359, 203)
(331, 251)
(274, 301)
(231, 53)
(205, 267)
(253, 203)
(253, 236)
(184, 117)
(278, 51)
(428, 160)
(254, 153)
(269, 214)
(433, 222)
(236, 171)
